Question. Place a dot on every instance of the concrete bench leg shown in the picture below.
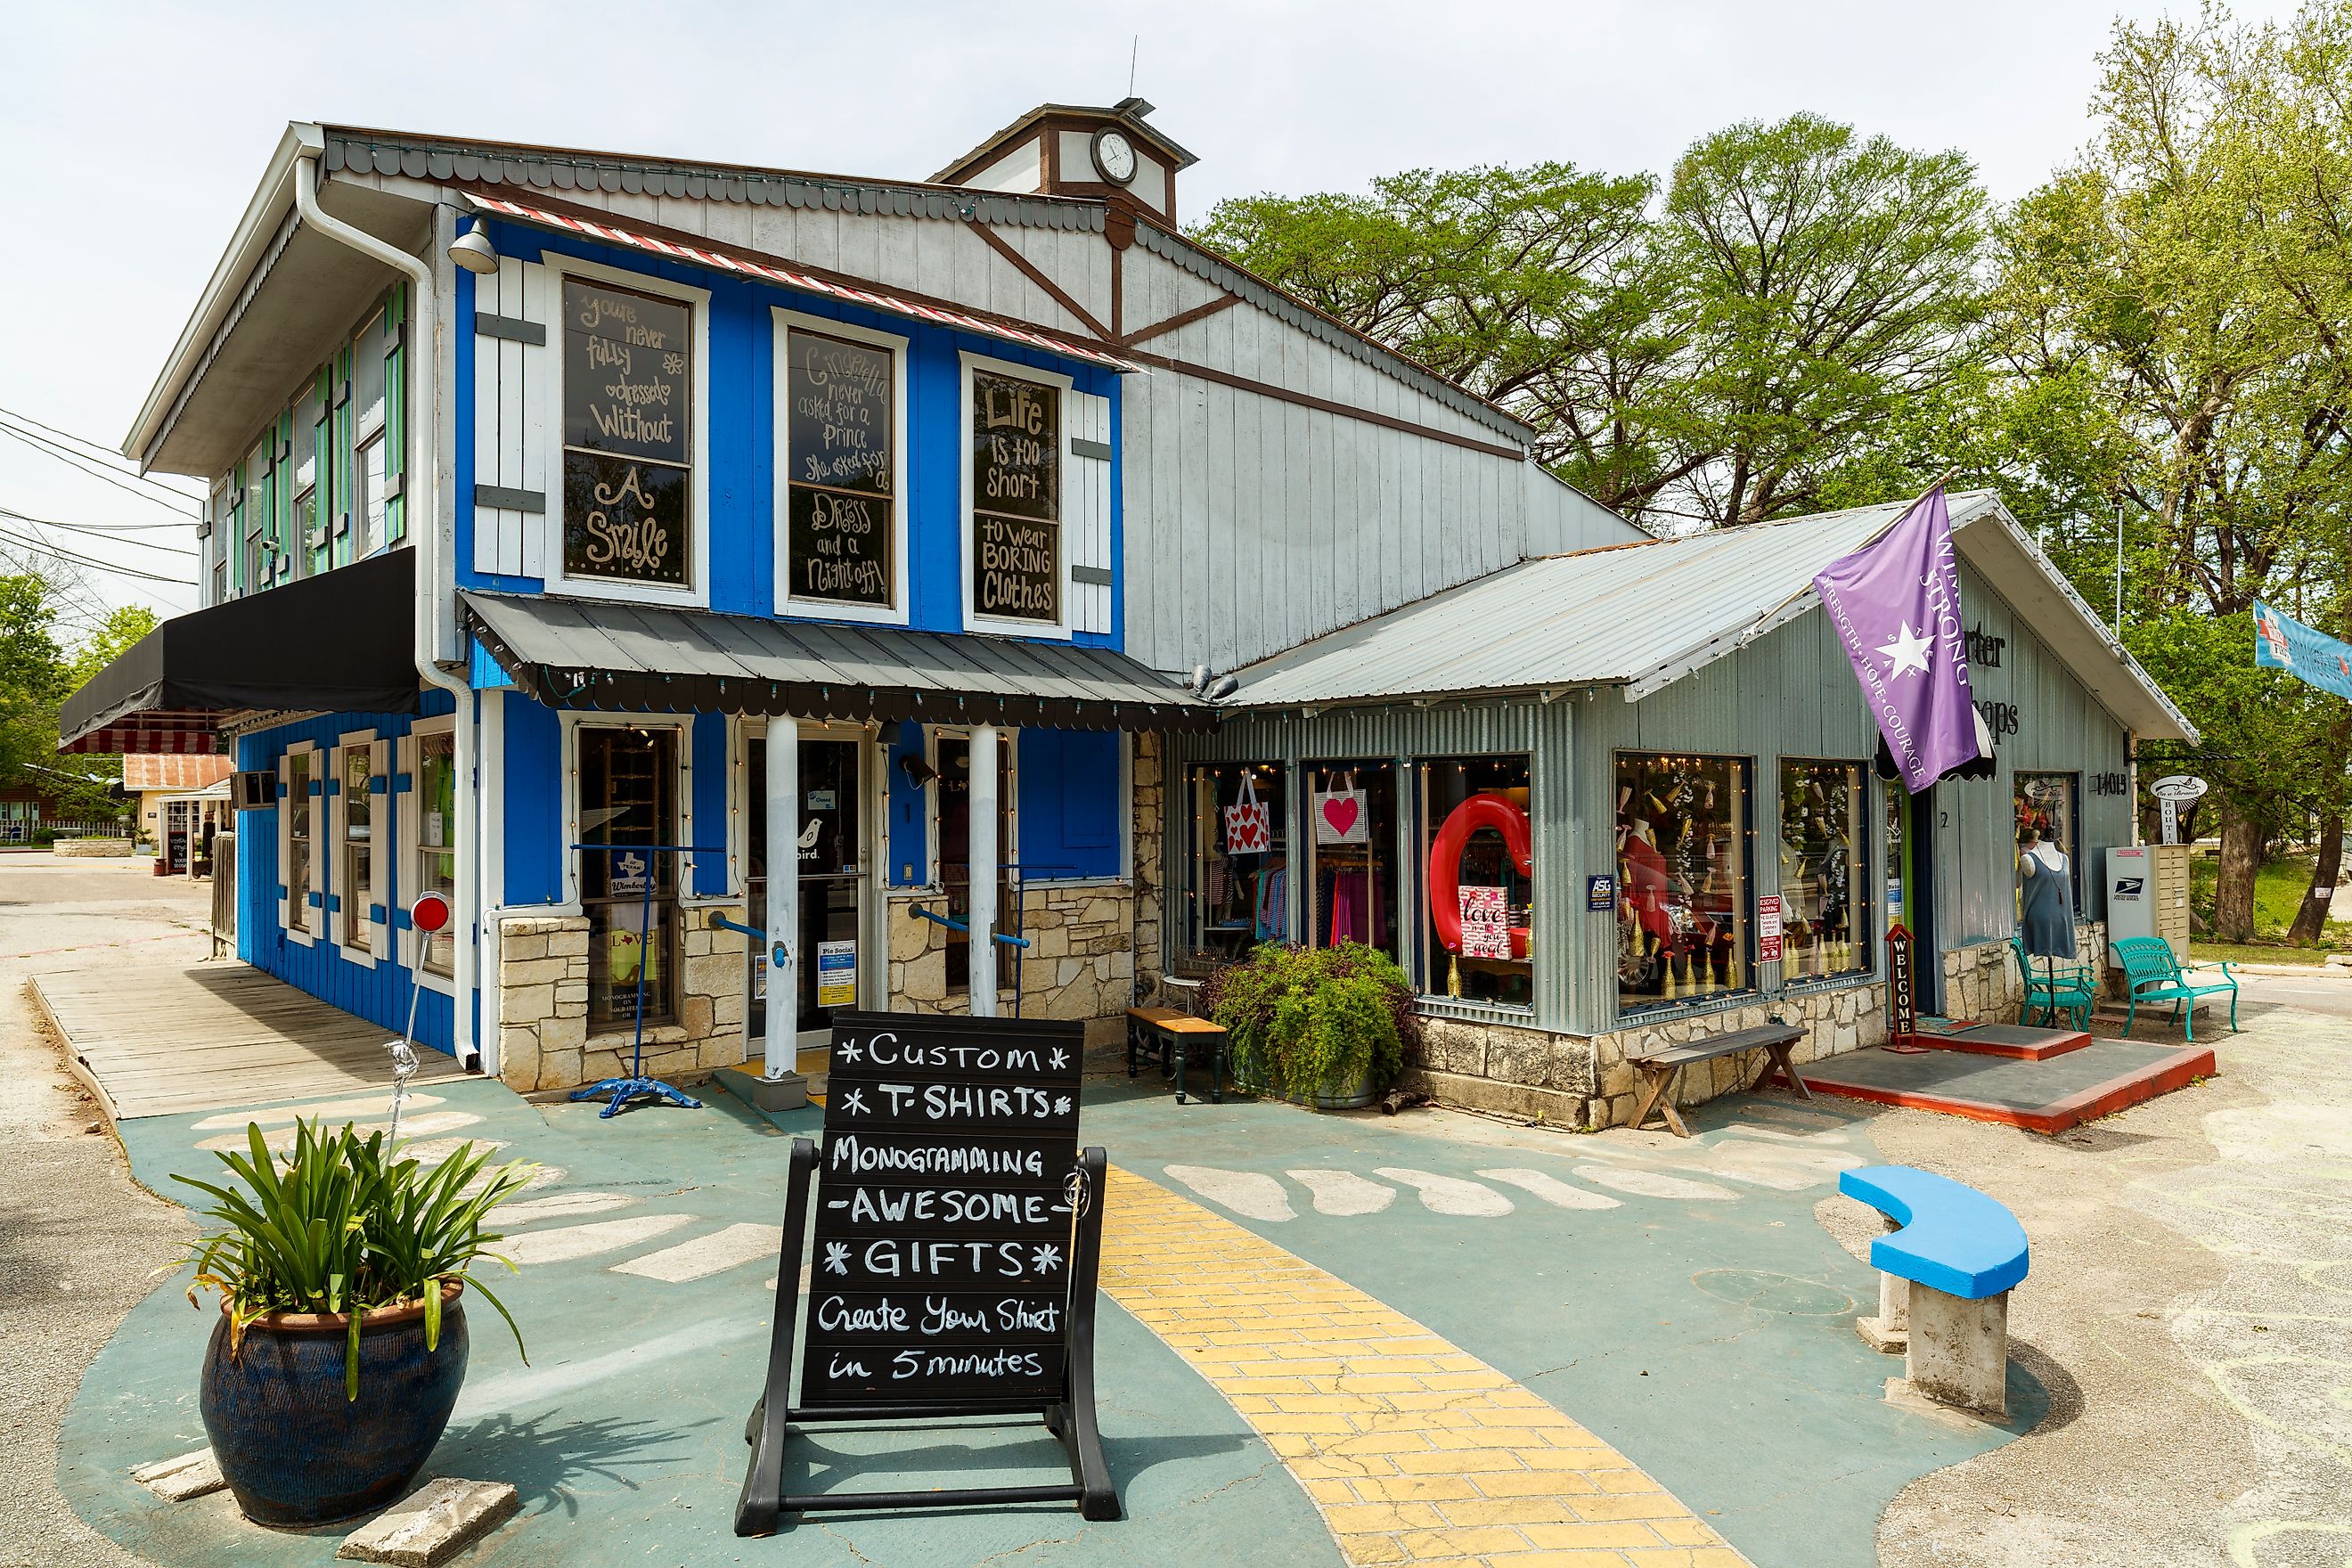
(1889, 1332)
(1959, 1351)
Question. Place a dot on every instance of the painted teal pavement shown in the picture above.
(625, 1433)
(1711, 1341)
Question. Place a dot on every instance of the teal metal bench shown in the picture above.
(1946, 1264)
(2152, 974)
(2069, 989)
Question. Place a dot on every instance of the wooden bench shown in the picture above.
(1946, 1264)
(1175, 1035)
(1661, 1070)
(2152, 974)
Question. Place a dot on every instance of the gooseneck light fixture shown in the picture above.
(473, 251)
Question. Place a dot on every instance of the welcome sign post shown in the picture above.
(957, 1237)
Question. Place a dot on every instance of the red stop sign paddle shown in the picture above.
(429, 913)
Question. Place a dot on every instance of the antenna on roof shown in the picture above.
(1133, 50)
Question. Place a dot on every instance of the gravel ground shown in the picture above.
(78, 1239)
(2187, 1311)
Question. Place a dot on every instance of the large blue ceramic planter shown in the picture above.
(293, 1450)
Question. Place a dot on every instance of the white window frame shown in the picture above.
(381, 821)
(688, 882)
(310, 925)
(410, 817)
(896, 613)
(1002, 625)
(697, 592)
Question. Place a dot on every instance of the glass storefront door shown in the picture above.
(831, 865)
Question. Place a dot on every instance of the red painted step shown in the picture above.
(2010, 1040)
(2037, 1096)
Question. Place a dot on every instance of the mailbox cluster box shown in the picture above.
(2148, 895)
(940, 1274)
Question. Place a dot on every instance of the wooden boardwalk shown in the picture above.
(165, 1039)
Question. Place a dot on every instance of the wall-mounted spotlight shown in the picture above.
(918, 770)
(473, 251)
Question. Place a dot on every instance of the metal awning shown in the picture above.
(343, 641)
(574, 653)
(856, 293)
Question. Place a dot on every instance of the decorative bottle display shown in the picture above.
(1821, 815)
(1682, 868)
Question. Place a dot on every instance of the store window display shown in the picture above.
(1236, 891)
(1682, 878)
(1478, 895)
(1824, 871)
(1351, 883)
(2045, 807)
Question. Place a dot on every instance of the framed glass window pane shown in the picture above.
(436, 817)
(1017, 499)
(1477, 893)
(1352, 884)
(298, 838)
(1236, 881)
(2046, 804)
(627, 417)
(841, 469)
(628, 795)
(952, 800)
(1825, 870)
(1683, 877)
(358, 847)
(260, 559)
(368, 374)
(368, 504)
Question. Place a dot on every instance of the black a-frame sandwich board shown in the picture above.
(950, 1164)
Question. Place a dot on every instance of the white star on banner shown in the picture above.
(1906, 652)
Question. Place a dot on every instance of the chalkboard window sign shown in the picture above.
(629, 387)
(840, 470)
(1016, 497)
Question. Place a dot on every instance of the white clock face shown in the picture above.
(1115, 156)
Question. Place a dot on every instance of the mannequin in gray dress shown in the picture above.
(2047, 920)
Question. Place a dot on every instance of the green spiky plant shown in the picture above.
(348, 1225)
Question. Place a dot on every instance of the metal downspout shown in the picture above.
(433, 596)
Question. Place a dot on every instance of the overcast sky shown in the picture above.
(137, 131)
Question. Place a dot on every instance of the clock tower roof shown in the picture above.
(1053, 149)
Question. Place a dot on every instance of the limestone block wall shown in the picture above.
(1981, 982)
(543, 1006)
(1147, 771)
(1080, 963)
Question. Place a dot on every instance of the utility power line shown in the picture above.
(48, 449)
(24, 542)
(104, 450)
(99, 532)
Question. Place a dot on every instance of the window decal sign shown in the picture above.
(628, 390)
(1485, 927)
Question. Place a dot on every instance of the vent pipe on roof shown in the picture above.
(434, 600)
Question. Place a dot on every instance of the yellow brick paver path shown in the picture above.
(1414, 1450)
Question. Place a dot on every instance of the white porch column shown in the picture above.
(981, 838)
(782, 918)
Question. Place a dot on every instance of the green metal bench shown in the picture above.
(2152, 974)
(2069, 989)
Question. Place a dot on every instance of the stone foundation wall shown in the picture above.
(1982, 985)
(1836, 1019)
(1148, 875)
(1080, 962)
(100, 848)
(543, 1005)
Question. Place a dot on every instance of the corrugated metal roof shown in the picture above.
(571, 653)
(1641, 615)
(142, 772)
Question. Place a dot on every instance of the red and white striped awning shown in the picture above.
(613, 233)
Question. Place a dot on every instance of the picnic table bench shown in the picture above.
(1662, 1069)
(1948, 1263)
(2151, 973)
(1175, 1035)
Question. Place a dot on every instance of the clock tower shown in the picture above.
(1110, 155)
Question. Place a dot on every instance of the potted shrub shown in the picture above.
(1327, 1027)
(342, 1341)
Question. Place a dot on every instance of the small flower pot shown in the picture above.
(294, 1450)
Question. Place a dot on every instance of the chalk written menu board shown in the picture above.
(627, 391)
(840, 422)
(1017, 499)
(944, 1217)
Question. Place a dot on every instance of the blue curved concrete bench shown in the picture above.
(1954, 1238)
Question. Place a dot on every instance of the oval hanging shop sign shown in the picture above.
(2180, 788)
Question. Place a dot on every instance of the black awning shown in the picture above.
(573, 653)
(341, 642)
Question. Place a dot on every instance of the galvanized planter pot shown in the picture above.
(294, 1450)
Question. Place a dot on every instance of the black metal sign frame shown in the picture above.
(1067, 1412)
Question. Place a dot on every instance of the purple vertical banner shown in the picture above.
(1895, 604)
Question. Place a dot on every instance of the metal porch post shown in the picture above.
(981, 840)
(783, 917)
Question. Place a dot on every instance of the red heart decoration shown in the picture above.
(1340, 812)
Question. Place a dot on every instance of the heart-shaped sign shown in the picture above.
(1340, 812)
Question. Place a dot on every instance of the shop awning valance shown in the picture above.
(637, 659)
(341, 642)
(794, 278)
